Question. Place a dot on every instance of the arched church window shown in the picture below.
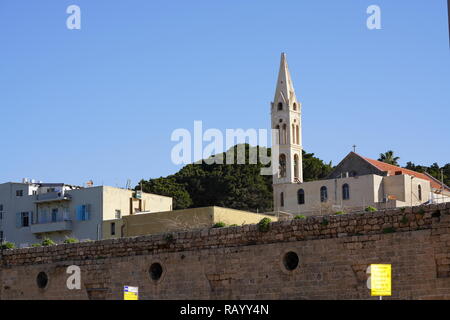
(280, 106)
(282, 165)
(297, 134)
(296, 171)
(282, 199)
(277, 127)
(345, 192)
(284, 133)
(301, 196)
(293, 133)
(323, 194)
(419, 192)
(295, 106)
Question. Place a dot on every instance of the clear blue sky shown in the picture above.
(101, 102)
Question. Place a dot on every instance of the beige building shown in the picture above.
(356, 183)
(194, 218)
(31, 211)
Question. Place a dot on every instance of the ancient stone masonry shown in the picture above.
(320, 257)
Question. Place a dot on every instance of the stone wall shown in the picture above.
(246, 263)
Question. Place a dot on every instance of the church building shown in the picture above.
(355, 183)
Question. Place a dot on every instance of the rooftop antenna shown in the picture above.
(354, 148)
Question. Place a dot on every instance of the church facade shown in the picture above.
(355, 183)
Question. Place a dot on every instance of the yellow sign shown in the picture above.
(130, 293)
(380, 279)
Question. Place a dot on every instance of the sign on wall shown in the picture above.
(380, 280)
(130, 293)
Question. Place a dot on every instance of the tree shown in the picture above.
(237, 186)
(388, 157)
(168, 187)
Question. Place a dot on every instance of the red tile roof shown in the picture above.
(392, 170)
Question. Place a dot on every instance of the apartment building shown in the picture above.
(31, 211)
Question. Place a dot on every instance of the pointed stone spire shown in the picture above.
(285, 89)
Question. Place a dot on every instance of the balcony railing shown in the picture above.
(52, 196)
(51, 227)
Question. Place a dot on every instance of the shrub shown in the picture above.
(264, 224)
(8, 245)
(402, 209)
(324, 222)
(404, 220)
(234, 225)
(300, 216)
(339, 212)
(370, 209)
(71, 240)
(389, 230)
(219, 225)
(168, 237)
(48, 242)
(421, 211)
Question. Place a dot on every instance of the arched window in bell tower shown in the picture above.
(297, 134)
(280, 106)
(293, 133)
(296, 167)
(295, 106)
(284, 133)
(277, 127)
(282, 165)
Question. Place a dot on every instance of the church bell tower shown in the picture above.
(286, 118)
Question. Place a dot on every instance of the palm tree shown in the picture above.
(388, 157)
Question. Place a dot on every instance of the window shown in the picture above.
(301, 196)
(1, 211)
(345, 192)
(279, 133)
(297, 134)
(54, 215)
(323, 194)
(282, 199)
(295, 106)
(284, 134)
(113, 228)
(118, 214)
(293, 133)
(83, 212)
(282, 172)
(419, 192)
(296, 171)
(25, 219)
(1, 236)
(19, 193)
(280, 106)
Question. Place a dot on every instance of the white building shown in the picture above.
(32, 211)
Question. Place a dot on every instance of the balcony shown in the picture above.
(52, 196)
(56, 221)
(52, 227)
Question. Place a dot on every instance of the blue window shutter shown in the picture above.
(18, 220)
(79, 212)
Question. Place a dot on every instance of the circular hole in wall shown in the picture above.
(42, 280)
(290, 260)
(155, 271)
